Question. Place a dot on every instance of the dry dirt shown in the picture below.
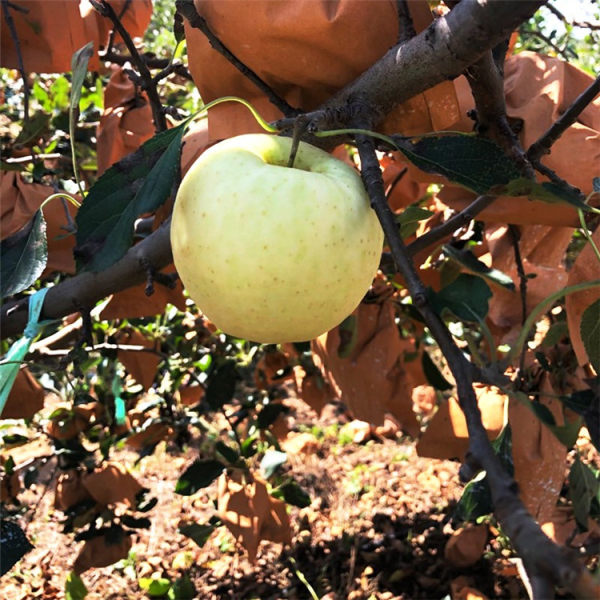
(376, 529)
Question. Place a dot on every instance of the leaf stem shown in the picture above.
(64, 195)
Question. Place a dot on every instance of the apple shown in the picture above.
(270, 253)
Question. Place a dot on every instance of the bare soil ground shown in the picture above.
(376, 529)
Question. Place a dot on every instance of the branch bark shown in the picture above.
(88, 288)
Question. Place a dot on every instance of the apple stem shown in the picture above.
(299, 127)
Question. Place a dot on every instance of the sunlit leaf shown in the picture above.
(74, 587)
(271, 461)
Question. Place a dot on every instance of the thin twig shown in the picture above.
(515, 236)
(6, 6)
(158, 115)
(554, 178)
(582, 24)
(187, 9)
(544, 143)
(451, 225)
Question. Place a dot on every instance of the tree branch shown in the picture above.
(87, 288)
(443, 51)
(158, 114)
(544, 143)
(451, 225)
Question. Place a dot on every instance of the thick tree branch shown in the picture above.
(88, 288)
(443, 51)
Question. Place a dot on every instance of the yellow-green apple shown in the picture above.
(270, 253)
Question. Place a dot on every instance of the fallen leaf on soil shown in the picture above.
(190, 395)
(251, 514)
(9, 487)
(273, 368)
(112, 484)
(466, 545)
(98, 552)
(562, 525)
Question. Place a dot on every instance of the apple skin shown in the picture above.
(269, 253)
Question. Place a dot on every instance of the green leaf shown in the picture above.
(182, 589)
(293, 494)
(200, 474)
(596, 184)
(433, 375)
(469, 261)
(547, 192)
(228, 453)
(467, 297)
(482, 166)
(154, 587)
(197, 533)
(476, 499)
(566, 434)
(23, 257)
(34, 128)
(583, 487)
(137, 184)
(221, 385)
(555, 333)
(409, 218)
(271, 461)
(475, 163)
(74, 587)
(79, 64)
(590, 333)
(269, 413)
(348, 331)
(13, 545)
